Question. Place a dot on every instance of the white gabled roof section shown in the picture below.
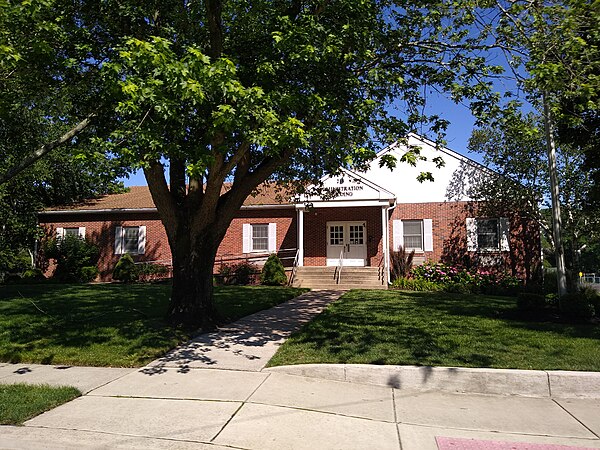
(458, 170)
(349, 189)
(401, 184)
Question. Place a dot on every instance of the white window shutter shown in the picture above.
(81, 232)
(60, 232)
(142, 240)
(272, 237)
(247, 235)
(471, 234)
(398, 234)
(118, 240)
(504, 234)
(428, 235)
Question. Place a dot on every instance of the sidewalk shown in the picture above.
(212, 394)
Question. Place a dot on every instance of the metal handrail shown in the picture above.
(338, 270)
(381, 270)
(294, 268)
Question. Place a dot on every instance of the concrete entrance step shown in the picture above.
(351, 278)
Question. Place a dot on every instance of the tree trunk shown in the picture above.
(191, 301)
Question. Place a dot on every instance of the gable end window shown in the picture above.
(259, 237)
(130, 240)
(489, 234)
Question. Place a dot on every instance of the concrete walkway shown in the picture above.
(205, 396)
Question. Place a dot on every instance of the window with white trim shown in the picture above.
(260, 237)
(71, 232)
(130, 240)
(488, 234)
(413, 235)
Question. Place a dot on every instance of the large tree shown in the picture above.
(516, 149)
(200, 94)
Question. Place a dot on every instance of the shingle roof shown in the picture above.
(138, 197)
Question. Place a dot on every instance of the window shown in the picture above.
(71, 232)
(357, 235)
(260, 237)
(336, 235)
(489, 234)
(413, 234)
(130, 240)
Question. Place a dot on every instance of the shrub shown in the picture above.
(581, 305)
(33, 276)
(401, 263)
(72, 254)
(89, 273)
(236, 274)
(151, 269)
(273, 272)
(125, 269)
(416, 284)
(243, 273)
(531, 302)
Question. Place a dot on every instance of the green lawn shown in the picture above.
(106, 325)
(439, 329)
(20, 402)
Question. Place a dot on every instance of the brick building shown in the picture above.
(357, 220)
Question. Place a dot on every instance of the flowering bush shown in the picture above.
(461, 280)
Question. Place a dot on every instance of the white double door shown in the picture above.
(347, 240)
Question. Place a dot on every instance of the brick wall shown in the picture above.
(450, 237)
(448, 219)
(101, 231)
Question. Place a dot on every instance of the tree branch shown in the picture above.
(165, 204)
(45, 149)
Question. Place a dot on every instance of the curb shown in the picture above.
(525, 383)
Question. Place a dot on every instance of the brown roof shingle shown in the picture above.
(138, 197)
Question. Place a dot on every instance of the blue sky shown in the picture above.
(457, 136)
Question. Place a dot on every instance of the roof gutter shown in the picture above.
(142, 210)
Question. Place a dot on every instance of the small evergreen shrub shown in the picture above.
(125, 269)
(273, 272)
(89, 273)
(72, 254)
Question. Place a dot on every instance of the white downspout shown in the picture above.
(387, 240)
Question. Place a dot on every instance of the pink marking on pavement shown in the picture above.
(447, 443)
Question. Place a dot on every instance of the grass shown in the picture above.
(20, 402)
(439, 329)
(106, 325)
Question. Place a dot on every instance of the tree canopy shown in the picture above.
(204, 92)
